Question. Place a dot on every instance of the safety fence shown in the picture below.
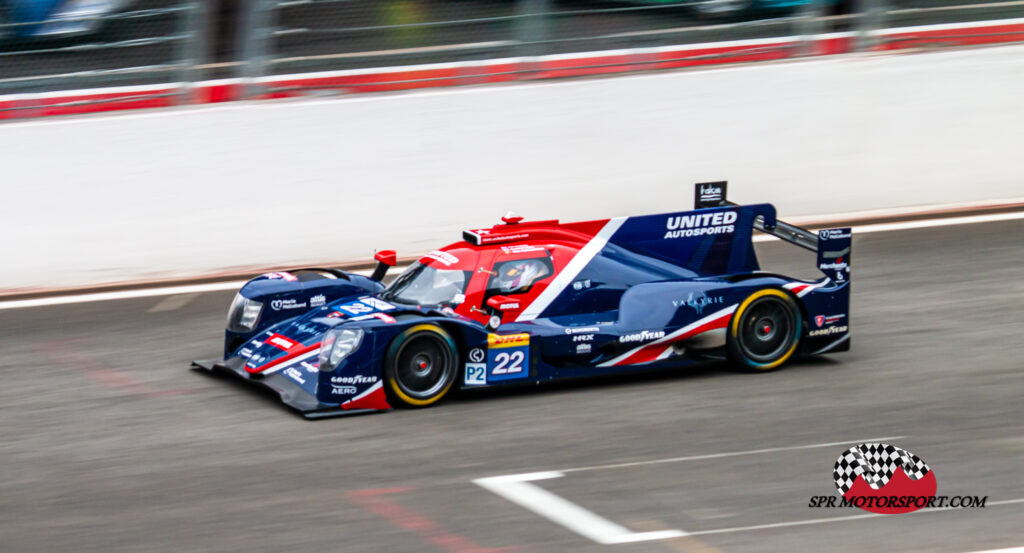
(151, 53)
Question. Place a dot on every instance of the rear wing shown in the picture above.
(832, 245)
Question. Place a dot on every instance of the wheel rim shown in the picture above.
(767, 330)
(422, 366)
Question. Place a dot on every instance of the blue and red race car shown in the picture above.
(529, 302)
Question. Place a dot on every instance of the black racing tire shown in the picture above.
(420, 366)
(764, 331)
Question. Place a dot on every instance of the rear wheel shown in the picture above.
(765, 330)
(420, 366)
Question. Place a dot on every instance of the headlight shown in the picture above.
(336, 345)
(243, 314)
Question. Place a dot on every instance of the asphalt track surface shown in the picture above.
(109, 443)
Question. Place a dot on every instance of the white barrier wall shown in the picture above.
(202, 190)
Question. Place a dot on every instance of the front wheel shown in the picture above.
(420, 364)
(765, 330)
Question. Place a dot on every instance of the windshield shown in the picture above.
(422, 285)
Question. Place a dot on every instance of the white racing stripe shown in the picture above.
(236, 284)
(668, 338)
(287, 362)
(569, 273)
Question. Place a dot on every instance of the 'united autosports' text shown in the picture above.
(701, 224)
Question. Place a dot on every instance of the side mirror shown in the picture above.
(385, 259)
(497, 306)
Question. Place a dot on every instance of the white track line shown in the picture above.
(517, 489)
(173, 303)
(923, 223)
(731, 454)
(236, 284)
(847, 518)
(140, 293)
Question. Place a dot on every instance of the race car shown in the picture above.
(531, 302)
(22, 19)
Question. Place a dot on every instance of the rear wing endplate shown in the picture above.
(831, 245)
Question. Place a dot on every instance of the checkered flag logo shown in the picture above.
(876, 463)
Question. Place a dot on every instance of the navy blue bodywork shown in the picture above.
(645, 292)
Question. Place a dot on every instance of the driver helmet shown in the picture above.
(518, 274)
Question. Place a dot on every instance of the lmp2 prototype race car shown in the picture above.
(530, 302)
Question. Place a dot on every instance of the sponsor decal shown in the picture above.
(582, 337)
(286, 304)
(822, 320)
(581, 284)
(521, 248)
(295, 375)
(829, 234)
(310, 367)
(282, 275)
(828, 331)
(508, 340)
(700, 224)
(583, 348)
(508, 356)
(889, 480)
(343, 390)
(281, 342)
(443, 257)
(476, 355)
(710, 193)
(698, 301)
(246, 352)
(364, 306)
(384, 317)
(257, 343)
(377, 304)
(356, 308)
(317, 300)
(335, 315)
(355, 379)
(642, 336)
(476, 374)
(488, 239)
(508, 305)
(307, 328)
(582, 329)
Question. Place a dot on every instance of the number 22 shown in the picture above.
(508, 363)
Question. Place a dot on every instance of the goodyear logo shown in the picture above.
(508, 340)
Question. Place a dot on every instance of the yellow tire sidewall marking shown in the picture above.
(393, 383)
(735, 325)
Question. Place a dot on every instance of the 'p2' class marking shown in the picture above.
(476, 374)
(508, 357)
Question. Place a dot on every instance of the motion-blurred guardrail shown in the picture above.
(80, 50)
(158, 52)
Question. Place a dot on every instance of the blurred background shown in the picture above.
(50, 45)
(156, 153)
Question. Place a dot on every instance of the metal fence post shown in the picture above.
(869, 22)
(809, 26)
(255, 35)
(532, 27)
(193, 33)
